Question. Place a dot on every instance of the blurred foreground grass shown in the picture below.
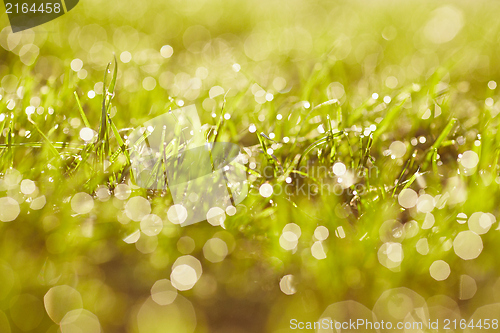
(379, 119)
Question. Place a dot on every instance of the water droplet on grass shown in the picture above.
(287, 284)
(80, 320)
(28, 186)
(469, 159)
(163, 293)
(87, 134)
(215, 250)
(266, 190)
(407, 198)
(321, 233)
(216, 216)
(137, 207)
(82, 203)
(60, 300)
(177, 214)
(151, 225)
(186, 271)
(468, 245)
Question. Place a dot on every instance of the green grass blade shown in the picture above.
(82, 113)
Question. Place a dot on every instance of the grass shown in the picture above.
(379, 89)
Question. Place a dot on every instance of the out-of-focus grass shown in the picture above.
(395, 92)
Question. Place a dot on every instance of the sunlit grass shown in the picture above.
(369, 136)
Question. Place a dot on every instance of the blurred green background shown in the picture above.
(408, 134)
